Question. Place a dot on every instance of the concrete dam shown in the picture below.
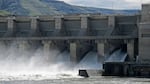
(120, 43)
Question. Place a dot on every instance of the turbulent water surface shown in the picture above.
(22, 66)
(79, 80)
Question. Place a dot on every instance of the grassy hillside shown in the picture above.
(50, 7)
(36, 7)
(4, 13)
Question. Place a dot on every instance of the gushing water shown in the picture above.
(18, 63)
(90, 61)
(117, 56)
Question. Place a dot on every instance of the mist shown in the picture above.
(19, 62)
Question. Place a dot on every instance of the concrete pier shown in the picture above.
(111, 25)
(34, 26)
(3, 46)
(58, 25)
(58, 22)
(144, 34)
(11, 26)
(46, 47)
(51, 49)
(49, 52)
(101, 50)
(111, 21)
(23, 46)
(77, 51)
(131, 50)
(84, 22)
(73, 52)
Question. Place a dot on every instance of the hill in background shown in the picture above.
(50, 7)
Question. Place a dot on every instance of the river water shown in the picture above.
(17, 67)
(80, 80)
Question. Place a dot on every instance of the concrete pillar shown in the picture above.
(145, 13)
(125, 70)
(78, 50)
(11, 26)
(84, 22)
(101, 50)
(73, 52)
(2, 45)
(111, 21)
(111, 25)
(34, 25)
(101, 47)
(58, 22)
(46, 50)
(130, 50)
(58, 26)
(49, 52)
(23, 46)
(46, 46)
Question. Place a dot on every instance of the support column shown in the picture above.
(58, 22)
(34, 25)
(111, 21)
(23, 46)
(58, 25)
(101, 47)
(46, 47)
(11, 26)
(130, 50)
(101, 50)
(125, 70)
(49, 51)
(84, 24)
(2, 46)
(111, 25)
(46, 50)
(77, 51)
(73, 52)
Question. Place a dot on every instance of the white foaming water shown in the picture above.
(16, 64)
(117, 56)
(90, 61)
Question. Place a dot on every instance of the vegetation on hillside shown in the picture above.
(50, 7)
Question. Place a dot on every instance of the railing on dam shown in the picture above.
(72, 38)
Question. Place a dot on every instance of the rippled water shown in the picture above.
(40, 67)
(79, 80)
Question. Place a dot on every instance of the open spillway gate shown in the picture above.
(121, 42)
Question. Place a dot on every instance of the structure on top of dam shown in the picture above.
(81, 34)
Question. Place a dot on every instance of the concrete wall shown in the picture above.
(3, 28)
(144, 42)
(145, 13)
(126, 25)
(144, 34)
(71, 25)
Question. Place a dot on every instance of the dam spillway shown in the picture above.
(78, 36)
